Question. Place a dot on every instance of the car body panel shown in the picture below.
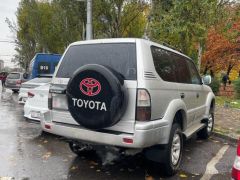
(38, 103)
(27, 86)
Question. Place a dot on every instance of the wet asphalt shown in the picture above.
(27, 153)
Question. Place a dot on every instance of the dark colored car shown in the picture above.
(3, 76)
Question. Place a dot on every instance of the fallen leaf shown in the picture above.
(45, 141)
(149, 177)
(183, 175)
(47, 155)
(73, 168)
(93, 163)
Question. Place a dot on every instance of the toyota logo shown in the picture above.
(90, 87)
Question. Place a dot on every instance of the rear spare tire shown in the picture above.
(96, 96)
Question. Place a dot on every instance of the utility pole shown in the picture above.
(89, 20)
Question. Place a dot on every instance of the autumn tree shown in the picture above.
(223, 45)
(184, 24)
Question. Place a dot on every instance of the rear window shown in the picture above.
(14, 76)
(119, 56)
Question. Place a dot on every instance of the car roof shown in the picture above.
(127, 40)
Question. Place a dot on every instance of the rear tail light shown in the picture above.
(50, 101)
(30, 95)
(128, 140)
(59, 101)
(236, 165)
(143, 109)
(19, 82)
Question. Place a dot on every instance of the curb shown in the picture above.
(225, 137)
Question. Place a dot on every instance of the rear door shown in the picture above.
(200, 95)
(120, 57)
(186, 89)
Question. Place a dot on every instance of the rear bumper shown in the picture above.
(22, 97)
(145, 135)
(13, 87)
(29, 109)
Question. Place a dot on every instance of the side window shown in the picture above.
(163, 64)
(183, 74)
(195, 78)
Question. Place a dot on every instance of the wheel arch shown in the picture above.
(210, 103)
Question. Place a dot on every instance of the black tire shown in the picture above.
(80, 149)
(103, 89)
(170, 166)
(15, 91)
(206, 132)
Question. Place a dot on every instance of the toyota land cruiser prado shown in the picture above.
(130, 94)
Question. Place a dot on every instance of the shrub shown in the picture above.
(237, 88)
(215, 85)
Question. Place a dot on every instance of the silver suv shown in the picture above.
(130, 94)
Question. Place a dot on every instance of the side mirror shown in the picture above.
(207, 79)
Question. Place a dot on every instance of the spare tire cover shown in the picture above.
(96, 96)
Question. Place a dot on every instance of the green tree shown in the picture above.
(184, 24)
(119, 18)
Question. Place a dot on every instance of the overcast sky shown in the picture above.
(8, 9)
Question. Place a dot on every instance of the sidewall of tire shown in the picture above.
(171, 169)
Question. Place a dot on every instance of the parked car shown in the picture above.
(236, 165)
(3, 76)
(14, 80)
(37, 102)
(31, 84)
(131, 94)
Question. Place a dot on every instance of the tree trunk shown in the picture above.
(229, 69)
(200, 48)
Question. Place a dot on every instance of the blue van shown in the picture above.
(43, 65)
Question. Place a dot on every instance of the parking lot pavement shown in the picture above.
(27, 153)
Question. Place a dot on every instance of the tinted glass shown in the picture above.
(119, 56)
(183, 74)
(14, 76)
(195, 78)
(164, 64)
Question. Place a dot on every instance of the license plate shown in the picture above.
(35, 114)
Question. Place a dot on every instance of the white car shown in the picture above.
(37, 102)
(27, 86)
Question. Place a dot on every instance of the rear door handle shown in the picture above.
(182, 95)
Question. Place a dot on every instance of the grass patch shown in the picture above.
(230, 102)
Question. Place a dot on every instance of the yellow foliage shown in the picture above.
(233, 75)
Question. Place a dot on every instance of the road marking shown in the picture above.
(210, 169)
